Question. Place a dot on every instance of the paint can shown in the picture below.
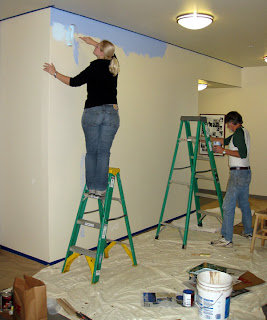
(179, 299)
(188, 298)
(5, 300)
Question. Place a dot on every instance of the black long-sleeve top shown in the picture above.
(101, 84)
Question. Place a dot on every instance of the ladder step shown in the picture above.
(189, 138)
(180, 182)
(209, 213)
(200, 176)
(207, 195)
(88, 223)
(86, 195)
(85, 252)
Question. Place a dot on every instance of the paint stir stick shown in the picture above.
(70, 310)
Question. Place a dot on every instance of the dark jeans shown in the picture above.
(237, 191)
(100, 125)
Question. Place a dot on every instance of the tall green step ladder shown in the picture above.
(195, 175)
(94, 258)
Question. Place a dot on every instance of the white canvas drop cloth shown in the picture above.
(162, 267)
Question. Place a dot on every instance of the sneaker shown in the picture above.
(100, 194)
(91, 193)
(248, 236)
(222, 243)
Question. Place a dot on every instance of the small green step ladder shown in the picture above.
(195, 175)
(94, 258)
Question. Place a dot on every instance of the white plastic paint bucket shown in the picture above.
(213, 295)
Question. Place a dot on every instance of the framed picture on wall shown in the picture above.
(216, 126)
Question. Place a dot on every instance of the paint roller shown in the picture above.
(70, 34)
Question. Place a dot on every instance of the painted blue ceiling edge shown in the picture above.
(166, 43)
(129, 41)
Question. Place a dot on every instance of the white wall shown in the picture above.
(157, 85)
(24, 102)
(250, 102)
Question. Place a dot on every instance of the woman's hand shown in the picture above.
(50, 68)
(89, 40)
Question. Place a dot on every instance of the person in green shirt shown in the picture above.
(240, 176)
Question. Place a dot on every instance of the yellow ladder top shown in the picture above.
(114, 171)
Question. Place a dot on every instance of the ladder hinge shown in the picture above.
(117, 218)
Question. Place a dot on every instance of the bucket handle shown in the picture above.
(196, 302)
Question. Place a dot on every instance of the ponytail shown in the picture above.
(108, 49)
(114, 66)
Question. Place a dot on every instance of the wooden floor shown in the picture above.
(13, 265)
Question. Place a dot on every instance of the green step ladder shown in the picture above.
(195, 175)
(94, 258)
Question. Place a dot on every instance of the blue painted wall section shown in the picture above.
(130, 42)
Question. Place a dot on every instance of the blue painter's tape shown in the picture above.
(30, 257)
(129, 41)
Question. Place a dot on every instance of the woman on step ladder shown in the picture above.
(100, 120)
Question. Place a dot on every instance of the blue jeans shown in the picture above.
(237, 191)
(100, 125)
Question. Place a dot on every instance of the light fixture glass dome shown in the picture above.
(202, 86)
(194, 21)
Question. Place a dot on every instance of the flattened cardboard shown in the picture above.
(247, 279)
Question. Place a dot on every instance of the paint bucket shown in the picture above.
(213, 295)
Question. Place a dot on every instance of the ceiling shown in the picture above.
(238, 34)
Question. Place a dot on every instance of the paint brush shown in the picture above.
(69, 309)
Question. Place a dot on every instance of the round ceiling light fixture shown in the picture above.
(194, 21)
(265, 58)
